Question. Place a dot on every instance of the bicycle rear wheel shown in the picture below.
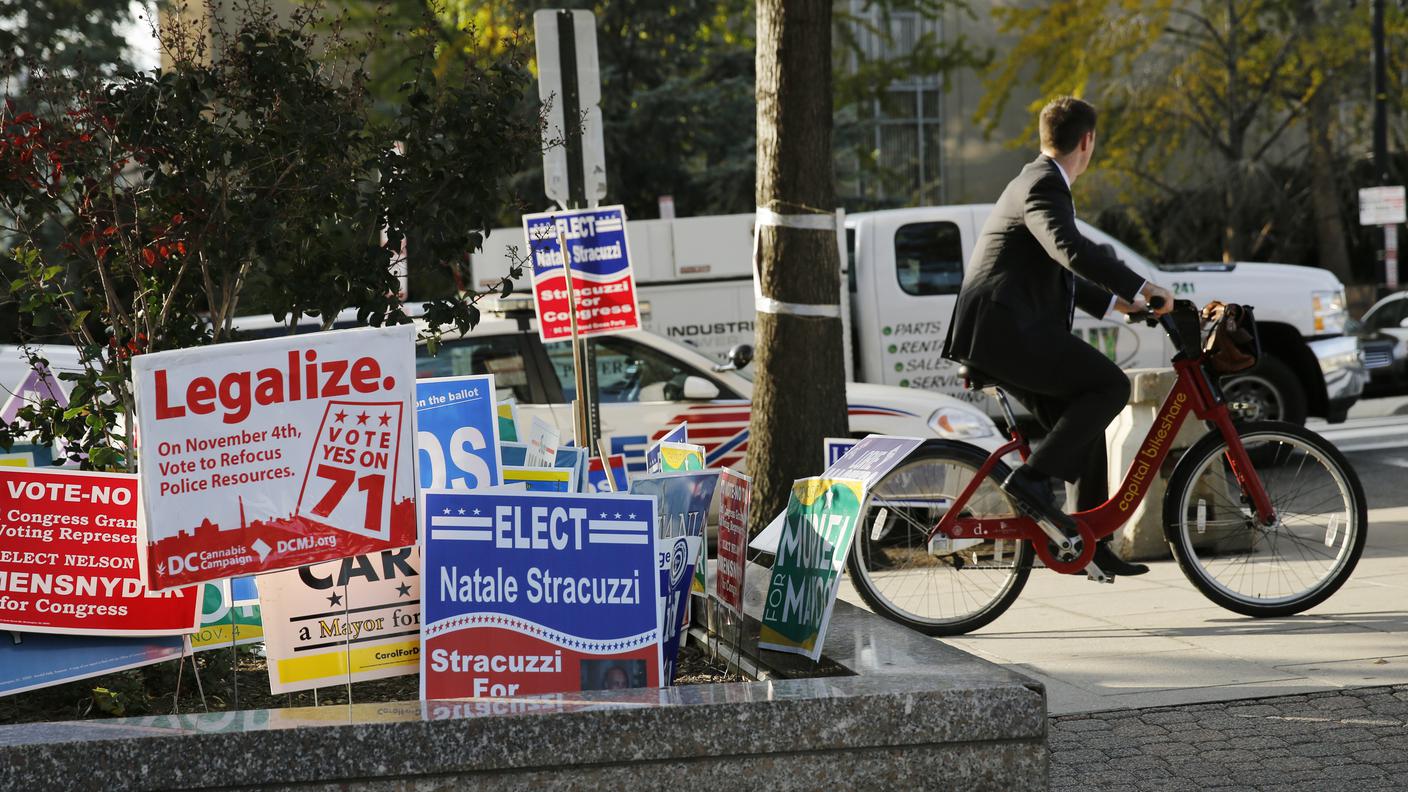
(1292, 565)
(956, 588)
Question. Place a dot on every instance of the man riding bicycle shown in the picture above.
(1030, 270)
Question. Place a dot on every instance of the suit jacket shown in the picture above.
(1031, 259)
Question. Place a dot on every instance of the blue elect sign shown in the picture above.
(603, 287)
(537, 593)
(458, 432)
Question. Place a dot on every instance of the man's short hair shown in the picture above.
(1064, 121)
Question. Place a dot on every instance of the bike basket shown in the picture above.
(1231, 343)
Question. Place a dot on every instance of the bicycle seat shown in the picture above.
(975, 380)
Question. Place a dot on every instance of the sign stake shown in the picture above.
(581, 406)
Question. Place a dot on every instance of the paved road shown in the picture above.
(1353, 740)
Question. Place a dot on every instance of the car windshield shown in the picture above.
(500, 355)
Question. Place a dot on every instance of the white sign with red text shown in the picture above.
(266, 455)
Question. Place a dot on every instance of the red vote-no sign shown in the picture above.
(68, 558)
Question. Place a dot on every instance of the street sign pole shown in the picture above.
(576, 176)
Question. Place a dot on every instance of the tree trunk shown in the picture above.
(799, 391)
(1324, 190)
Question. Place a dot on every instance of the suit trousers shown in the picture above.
(1072, 389)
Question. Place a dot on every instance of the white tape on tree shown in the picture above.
(806, 222)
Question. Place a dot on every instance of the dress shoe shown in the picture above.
(1112, 564)
(1031, 489)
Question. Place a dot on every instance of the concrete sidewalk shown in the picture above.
(1155, 641)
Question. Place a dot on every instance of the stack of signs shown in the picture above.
(349, 620)
(457, 433)
(682, 511)
(538, 593)
(673, 452)
(224, 623)
(603, 286)
(564, 475)
(812, 539)
(267, 455)
(68, 558)
(735, 490)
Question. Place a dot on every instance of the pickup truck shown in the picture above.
(903, 268)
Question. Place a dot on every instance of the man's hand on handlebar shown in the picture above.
(1153, 300)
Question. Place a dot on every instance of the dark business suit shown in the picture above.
(1030, 269)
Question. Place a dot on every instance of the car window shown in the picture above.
(929, 258)
(1390, 314)
(626, 372)
(500, 355)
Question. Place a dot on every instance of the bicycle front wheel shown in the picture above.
(954, 586)
(1297, 562)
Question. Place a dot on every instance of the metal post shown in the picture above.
(581, 412)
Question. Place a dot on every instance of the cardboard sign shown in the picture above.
(869, 459)
(542, 479)
(223, 624)
(68, 558)
(677, 557)
(735, 492)
(534, 593)
(508, 420)
(543, 439)
(267, 455)
(359, 616)
(816, 536)
(682, 511)
(676, 457)
(457, 433)
(835, 448)
(29, 661)
(598, 469)
(676, 434)
(603, 285)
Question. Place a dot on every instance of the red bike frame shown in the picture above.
(1191, 393)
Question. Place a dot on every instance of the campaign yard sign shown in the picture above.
(68, 558)
(457, 432)
(679, 433)
(735, 492)
(224, 624)
(816, 535)
(837, 447)
(682, 511)
(532, 593)
(29, 661)
(267, 455)
(358, 617)
(870, 458)
(508, 421)
(598, 470)
(603, 285)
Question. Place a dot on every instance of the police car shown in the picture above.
(647, 384)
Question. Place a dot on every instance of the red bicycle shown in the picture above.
(1265, 518)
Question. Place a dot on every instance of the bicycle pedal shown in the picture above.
(1095, 573)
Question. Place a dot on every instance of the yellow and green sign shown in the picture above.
(816, 535)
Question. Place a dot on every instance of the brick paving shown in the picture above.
(1320, 742)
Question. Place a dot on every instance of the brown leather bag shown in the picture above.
(1230, 344)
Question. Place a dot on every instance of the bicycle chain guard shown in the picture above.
(1087, 551)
